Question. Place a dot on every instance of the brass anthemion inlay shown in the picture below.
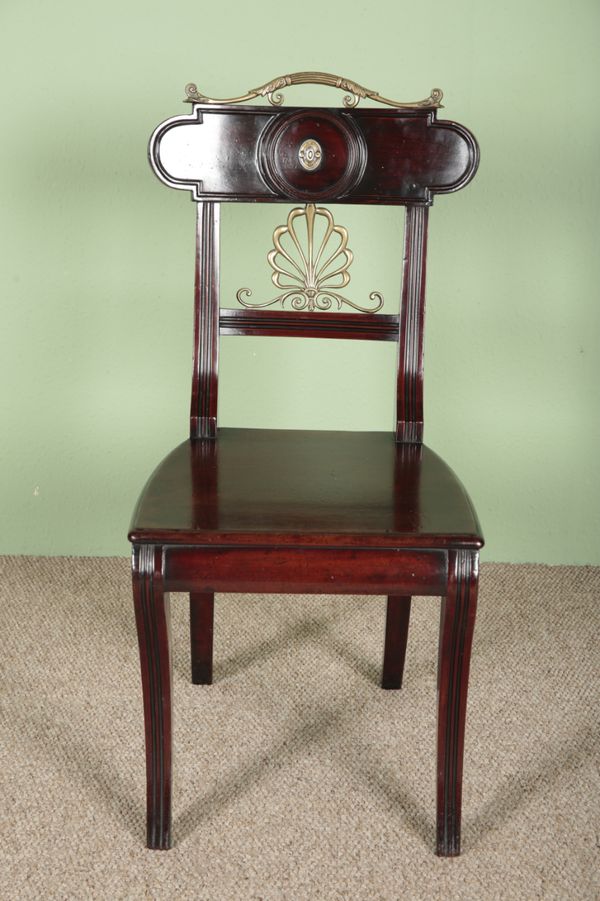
(310, 154)
(271, 90)
(310, 276)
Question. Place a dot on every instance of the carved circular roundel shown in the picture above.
(310, 156)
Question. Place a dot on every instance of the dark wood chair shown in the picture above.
(233, 509)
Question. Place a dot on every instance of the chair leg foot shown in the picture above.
(152, 620)
(457, 621)
(396, 637)
(201, 637)
(158, 839)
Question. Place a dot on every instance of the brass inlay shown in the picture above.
(310, 279)
(310, 154)
(271, 90)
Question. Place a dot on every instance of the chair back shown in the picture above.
(397, 154)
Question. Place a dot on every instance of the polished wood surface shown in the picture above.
(409, 402)
(201, 636)
(370, 155)
(250, 510)
(286, 486)
(396, 638)
(289, 323)
(151, 604)
(203, 408)
(304, 570)
(457, 621)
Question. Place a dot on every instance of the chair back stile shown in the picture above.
(409, 388)
(205, 373)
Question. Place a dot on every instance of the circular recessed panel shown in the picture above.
(312, 155)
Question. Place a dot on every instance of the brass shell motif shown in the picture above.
(311, 277)
(271, 90)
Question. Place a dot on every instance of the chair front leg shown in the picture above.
(456, 634)
(396, 635)
(201, 637)
(152, 620)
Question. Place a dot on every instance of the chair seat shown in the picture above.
(259, 486)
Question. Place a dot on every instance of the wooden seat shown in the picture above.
(252, 484)
(287, 512)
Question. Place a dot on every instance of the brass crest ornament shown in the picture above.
(356, 92)
(311, 278)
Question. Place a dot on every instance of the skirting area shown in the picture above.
(296, 777)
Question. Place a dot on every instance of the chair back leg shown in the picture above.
(201, 637)
(396, 636)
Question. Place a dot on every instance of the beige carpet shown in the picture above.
(296, 776)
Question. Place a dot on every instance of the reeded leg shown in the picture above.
(201, 635)
(456, 634)
(152, 619)
(396, 636)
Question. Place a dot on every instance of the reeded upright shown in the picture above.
(234, 509)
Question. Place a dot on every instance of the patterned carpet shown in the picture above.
(296, 777)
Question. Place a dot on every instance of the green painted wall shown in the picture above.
(96, 261)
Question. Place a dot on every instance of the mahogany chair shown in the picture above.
(234, 509)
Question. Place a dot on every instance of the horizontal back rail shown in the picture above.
(285, 323)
